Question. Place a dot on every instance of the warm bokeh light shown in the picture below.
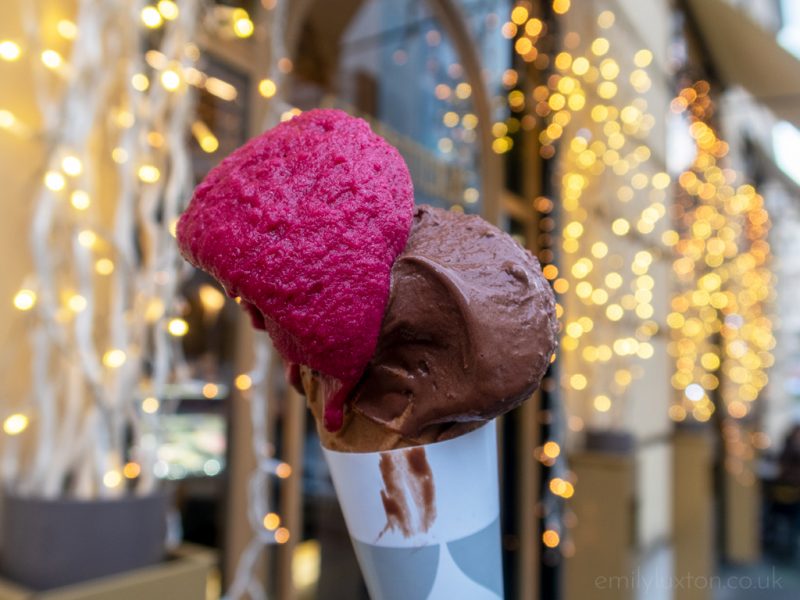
(72, 165)
(282, 535)
(242, 25)
(150, 405)
(54, 181)
(550, 538)
(271, 521)
(149, 173)
(112, 479)
(80, 200)
(25, 299)
(151, 17)
(104, 266)
(243, 382)
(10, 51)
(131, 470)
(114, 358)
(51, 59)
(551, 449)
(168, 9)
(15, 424)
(267, 88)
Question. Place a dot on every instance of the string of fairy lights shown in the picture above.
(591, 113)
(588, 104)
(106, 293)
(721, 334)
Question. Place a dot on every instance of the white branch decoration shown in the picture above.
(99, 351)
(100, 339)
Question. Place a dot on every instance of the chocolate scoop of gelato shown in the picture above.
(467, 335)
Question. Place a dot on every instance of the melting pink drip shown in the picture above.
(292, 372)
(335, 392)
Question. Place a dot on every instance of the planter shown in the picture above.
(182, 576)
(53, 543)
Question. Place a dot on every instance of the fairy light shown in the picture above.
(243, 382)
(210, 391)
(25, 300)
(112, 479)
(80, 200)
(562, 487)
(170, 79)
(285, 65)
(168, 9)
(104, 266)
(463, 91)
(54, 181)
(550, 538)
(221, 89)
(242, 25)
(151, 17)
(551, 449)
(606, 19)
(7, 119)
(119, 155)
(283, 470)
(150, 405)
(115, 358)
(124, 118)
(10, 51)
(140, 82)
(271, 521)
(178, 327)
(148, 173)
(15, 424)
(77, 303)
(211, 298)
(155, 139)
(67, 29)
(267, 88)
(51, 59)
(207, 140)
(72, 165)
(643, 58)
(602, 403)
(131, 470)
(87, 238)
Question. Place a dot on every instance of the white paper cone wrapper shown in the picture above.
(425, 521)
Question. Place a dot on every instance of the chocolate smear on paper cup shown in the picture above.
(407, 477)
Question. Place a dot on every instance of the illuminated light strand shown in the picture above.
(65, 319)
(721, 257)
(585, 86)
(120, 359)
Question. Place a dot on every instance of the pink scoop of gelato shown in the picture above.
(303, 223)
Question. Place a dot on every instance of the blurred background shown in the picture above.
(645, 151)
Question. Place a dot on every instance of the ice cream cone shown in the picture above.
(360, 433)
(425, 520)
